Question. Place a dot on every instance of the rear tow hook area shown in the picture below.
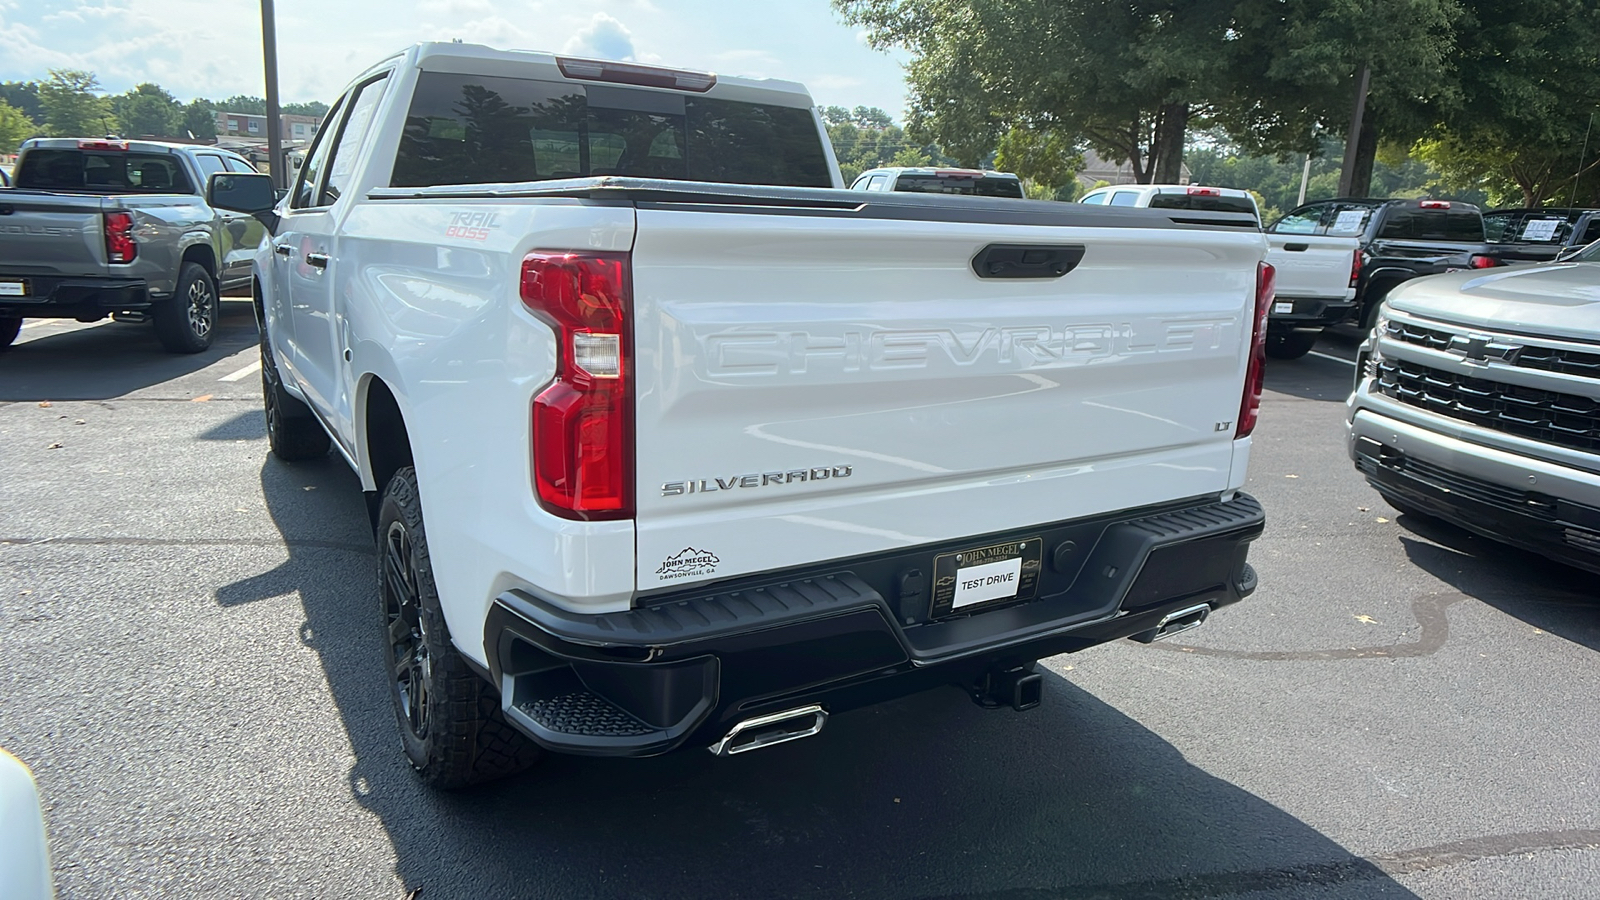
(1172, 623)
(771, 730)
(1019, 687)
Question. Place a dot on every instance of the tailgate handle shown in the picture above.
(1297, 248)
(1027, 260)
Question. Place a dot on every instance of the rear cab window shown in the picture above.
(971, 185)
(1456, 223)
(111, 171)
(471, 129)
(1206, 202)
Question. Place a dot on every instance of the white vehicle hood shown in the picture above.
(1556, 300)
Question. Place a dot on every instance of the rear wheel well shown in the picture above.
(388, 444)
(1373, 297)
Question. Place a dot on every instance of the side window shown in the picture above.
(877, 183)
(209, 165)
(306, 187)
(1301, 221)
(859, 184)
(1346, 219)
(1097, 198)
(342, 164)
(1125, 198)
(238, 165)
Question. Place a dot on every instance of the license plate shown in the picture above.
(13, 289)
(984, 575)
(1283, 307)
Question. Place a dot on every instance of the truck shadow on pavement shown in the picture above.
(112, 359)
(1548, 595)
(926, 797)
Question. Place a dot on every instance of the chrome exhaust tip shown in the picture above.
(1173, 623)
(771, 729)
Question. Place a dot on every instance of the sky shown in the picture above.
(212, 48)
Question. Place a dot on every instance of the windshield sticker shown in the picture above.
(1350, 221)
(1540, 229)
(688, 563)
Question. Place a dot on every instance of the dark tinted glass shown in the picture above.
(470, 129)
(1416, 224)
(1198, 201)
(111, 172)
(1517, 226)
(944, 184)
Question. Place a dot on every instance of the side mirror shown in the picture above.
(239, 192)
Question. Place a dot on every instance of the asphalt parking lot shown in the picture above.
(189, 660)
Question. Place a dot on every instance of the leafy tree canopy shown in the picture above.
(14, 127)
(72, 105)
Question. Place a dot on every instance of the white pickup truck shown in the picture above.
(1317, 269)
(670, 441)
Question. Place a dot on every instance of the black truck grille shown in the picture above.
(1564, 420)
(1566, 362)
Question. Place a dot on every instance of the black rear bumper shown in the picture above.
(87, 298)
(1309, 313)
(682, 670)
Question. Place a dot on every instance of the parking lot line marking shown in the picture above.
(1348, 362)
(243, 373)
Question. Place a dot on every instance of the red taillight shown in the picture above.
(1255, 375)
(1435, 204)
(1205, 192)
(1355, 268)
(120, 247)
(582, 428)
(102, 145)
(1483, 262)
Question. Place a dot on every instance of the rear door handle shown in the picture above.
(1297, 248)
(317, 260)
(1027, 260)
(283, 250)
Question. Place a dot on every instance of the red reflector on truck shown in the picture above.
(120, 246)
(1435, 204)
(1355, 268)
(582, 424)
(1256, 373)
(1479, 261)
(1205, 192)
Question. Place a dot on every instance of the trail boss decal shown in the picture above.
(687, 563)
(754, 480)
(474, 226)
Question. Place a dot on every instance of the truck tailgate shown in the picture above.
(1313, 266)
(813, 387)
(46, 234)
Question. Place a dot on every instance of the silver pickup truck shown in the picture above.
(98, 227)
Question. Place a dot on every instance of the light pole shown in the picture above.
(269, 53)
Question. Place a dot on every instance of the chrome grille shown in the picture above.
(1547, 359)
(1565, 420)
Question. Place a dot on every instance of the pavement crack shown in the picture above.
(1429, 612)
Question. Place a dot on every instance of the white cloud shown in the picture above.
(603, 38)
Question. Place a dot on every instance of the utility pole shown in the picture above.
(1305, 176)
(269, 53)
(1352, 144)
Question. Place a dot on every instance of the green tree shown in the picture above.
(24, 95)
(866, 138)
(72, 105)
(147, 110)
(240, 103)
(1123, 78)
(1297, 66)
(14, 127)
(1047, 160)
(1529, 82)
(314, 108)
(200, 119)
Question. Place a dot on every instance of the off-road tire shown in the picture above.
(9, 328)
(454, 734)
(1290, 344)
(293, 432)
(186, 322)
